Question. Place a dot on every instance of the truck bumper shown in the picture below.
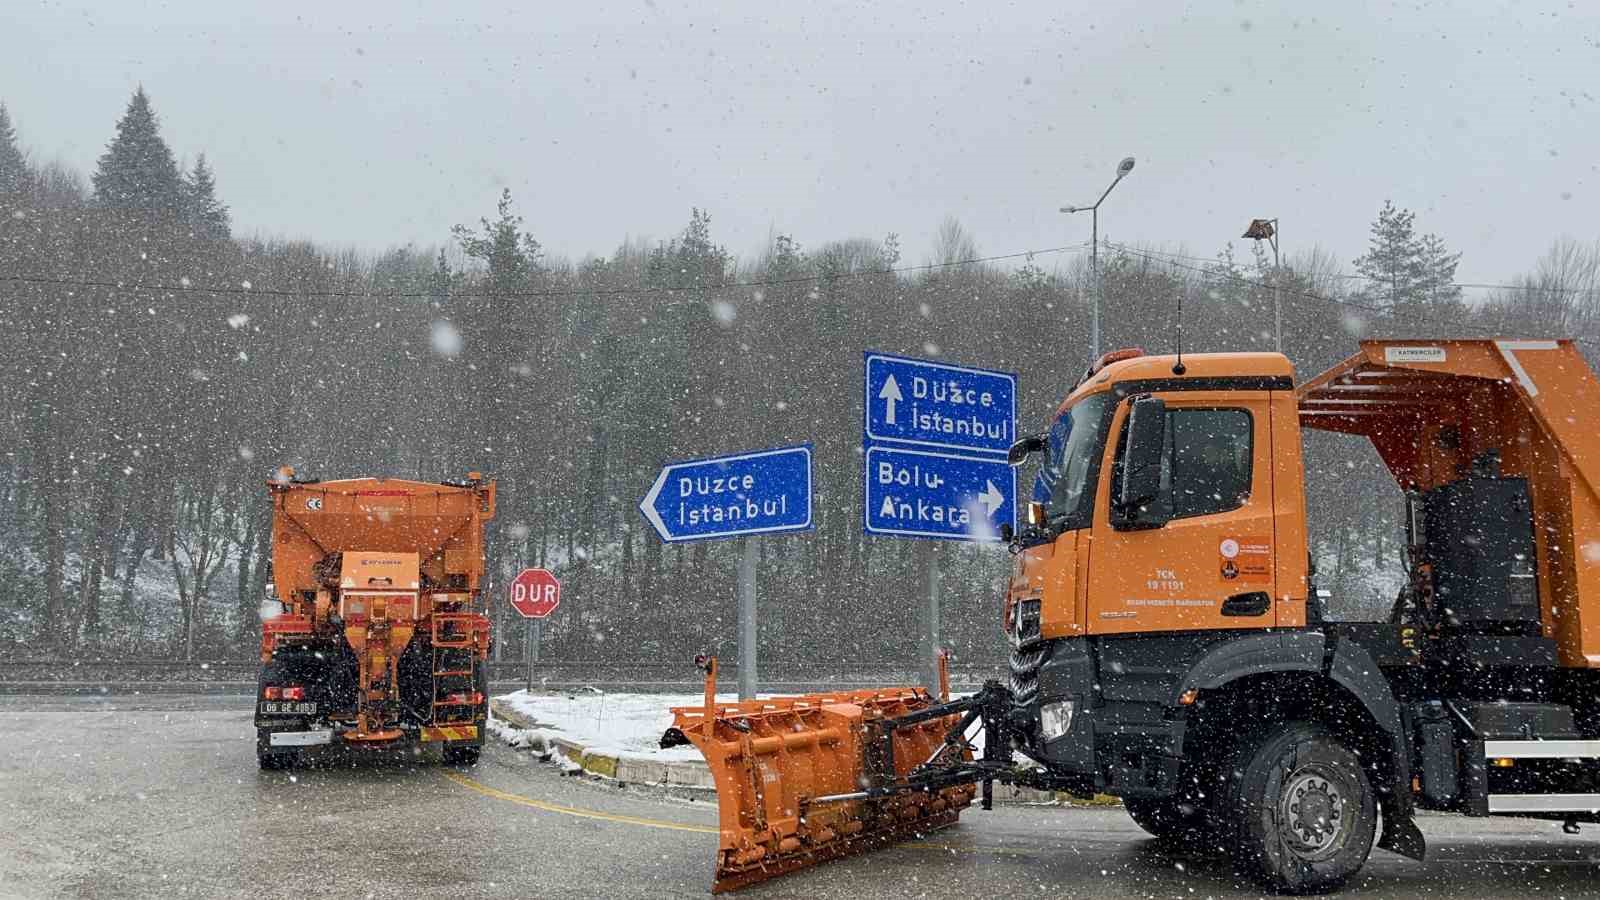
(1119, 741)
(312, 738)
(450, 733)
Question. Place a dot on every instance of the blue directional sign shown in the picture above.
(916, 493)
(932, 404)
(726, 496)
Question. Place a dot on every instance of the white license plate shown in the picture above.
(287, 708)
(301, 738)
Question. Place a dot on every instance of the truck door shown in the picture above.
(1211, 564)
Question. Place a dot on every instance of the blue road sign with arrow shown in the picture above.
(916, 493)
(933, 434)
(761, 492)
(932, 404)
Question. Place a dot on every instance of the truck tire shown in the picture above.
(1172, 820)
(1300, 809)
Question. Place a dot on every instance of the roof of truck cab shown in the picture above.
(374, 485)
(1195, 366)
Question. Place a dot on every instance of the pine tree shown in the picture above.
(1440, 293)
(137, 173)
(1392, 261)
(208, 216)
(13, 165)
(1410, 274)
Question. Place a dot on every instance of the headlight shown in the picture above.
(1055, 719)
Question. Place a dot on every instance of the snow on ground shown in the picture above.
(621, 725)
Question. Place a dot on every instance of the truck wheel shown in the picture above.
(1171, 820)
(463, 754)
(1302, 810)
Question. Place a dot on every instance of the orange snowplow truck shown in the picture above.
(382, 639)
(1170, 644)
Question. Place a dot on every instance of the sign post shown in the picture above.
(535, 594)
(747, 618)
(738, 495)
(532, 637)
(934, 437)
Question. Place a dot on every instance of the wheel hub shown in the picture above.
(1311, 815)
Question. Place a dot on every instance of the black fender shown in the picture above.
(1346, 664)
(1254, 654)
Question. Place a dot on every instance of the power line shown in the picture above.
(247, 288)
(1172, 260)
(1348, 276)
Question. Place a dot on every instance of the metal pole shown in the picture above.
(930, 614)
(1094, 266)
(532, 637)
(1277, 289)
(747, 619)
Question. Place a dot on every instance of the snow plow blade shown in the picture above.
(793, 775)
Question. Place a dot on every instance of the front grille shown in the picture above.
(1025, 673)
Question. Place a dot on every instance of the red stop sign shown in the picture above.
(535, 593)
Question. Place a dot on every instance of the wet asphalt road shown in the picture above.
(160, 797)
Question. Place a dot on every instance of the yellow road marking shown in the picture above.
(1033, 853)
(487, 791)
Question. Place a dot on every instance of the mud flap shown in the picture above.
(1402, 836)
(792, 775)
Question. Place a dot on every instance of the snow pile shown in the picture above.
(627, 726)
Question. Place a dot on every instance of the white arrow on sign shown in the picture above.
(991, 498)
(648, 507)
(891, 393)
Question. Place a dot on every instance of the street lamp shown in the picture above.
(1267, 229)
(1123, 168)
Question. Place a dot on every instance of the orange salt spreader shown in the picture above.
(377, 635)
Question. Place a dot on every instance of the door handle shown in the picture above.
(1252, 604)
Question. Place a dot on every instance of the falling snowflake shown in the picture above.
(445, 338)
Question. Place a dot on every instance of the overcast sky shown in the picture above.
(381, 123)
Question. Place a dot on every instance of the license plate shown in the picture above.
(287, 708)
(301, 738)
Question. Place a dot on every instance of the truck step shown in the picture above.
(1560, 749)
(1515, 803)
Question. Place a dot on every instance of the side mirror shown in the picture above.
(1025, 447)
(1141, 461)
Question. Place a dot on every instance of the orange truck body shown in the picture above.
(378, 581)
(1171, 644)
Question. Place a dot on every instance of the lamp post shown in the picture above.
(1267, 229)
(1123, 168)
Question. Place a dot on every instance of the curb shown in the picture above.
(696, 774)
(661, 773)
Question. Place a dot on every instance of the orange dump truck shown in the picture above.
(1170, 645)
(382, 639)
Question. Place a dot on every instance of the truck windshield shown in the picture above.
(1075, 442)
